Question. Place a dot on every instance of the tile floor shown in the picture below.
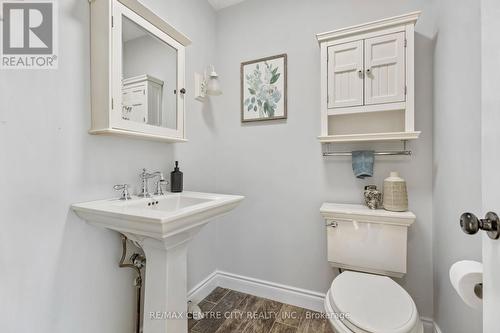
(231, 311)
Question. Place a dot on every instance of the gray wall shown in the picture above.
(457, 154)
(58, 273)
(278, 234)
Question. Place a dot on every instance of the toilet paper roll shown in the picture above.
(464, 276)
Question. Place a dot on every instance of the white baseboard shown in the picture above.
(428, 324)
(204, 288)
(277, 292)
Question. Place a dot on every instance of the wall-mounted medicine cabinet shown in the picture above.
(137, 72)
(367, 81)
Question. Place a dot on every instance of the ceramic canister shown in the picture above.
(373, 197)
(395, 193)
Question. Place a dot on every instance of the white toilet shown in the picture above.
(370, 247)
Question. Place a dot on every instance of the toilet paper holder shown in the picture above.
(478, 290)
(466, 277)
(470, 224)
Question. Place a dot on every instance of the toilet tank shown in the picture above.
(366, 240)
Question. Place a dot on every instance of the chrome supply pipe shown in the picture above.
(138, 261)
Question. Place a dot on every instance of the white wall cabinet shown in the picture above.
(367, 81)
(137, 72)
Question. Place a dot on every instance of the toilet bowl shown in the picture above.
(368, 303)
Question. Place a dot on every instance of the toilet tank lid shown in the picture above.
(361, 213)
(374, 303)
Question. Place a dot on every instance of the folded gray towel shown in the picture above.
(362, 163)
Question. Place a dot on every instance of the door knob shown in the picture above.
(470, 224)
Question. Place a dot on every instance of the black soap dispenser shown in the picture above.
(176, 179)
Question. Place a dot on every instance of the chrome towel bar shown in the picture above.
(377, 153)
(403, 152)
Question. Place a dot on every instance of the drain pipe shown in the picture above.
(138, 262)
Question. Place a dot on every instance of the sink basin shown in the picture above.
(172, 203)
(162, 226)
(158, 217)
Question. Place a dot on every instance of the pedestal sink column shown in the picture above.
(165, 289)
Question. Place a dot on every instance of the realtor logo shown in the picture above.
(28, 35)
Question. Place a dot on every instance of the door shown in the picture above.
(142, 49)
(490, 114)
(345, 75)
(385, 80)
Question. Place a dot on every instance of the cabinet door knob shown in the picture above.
(470, 224)
(183, 91)
(368, 70)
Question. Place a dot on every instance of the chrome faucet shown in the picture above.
(145, 176)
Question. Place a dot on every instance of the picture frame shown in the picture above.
(264, 89)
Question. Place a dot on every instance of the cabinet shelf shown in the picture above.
(137, 135)
(370, 137)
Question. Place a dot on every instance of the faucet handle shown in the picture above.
(145, 174)
(125, 193)
(159, 184)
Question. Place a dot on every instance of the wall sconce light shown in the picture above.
(207, 84)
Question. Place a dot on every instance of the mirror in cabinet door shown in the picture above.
(146, 74)
(149, 77)
(148, 71)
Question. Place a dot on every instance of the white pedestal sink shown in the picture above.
(162, 226)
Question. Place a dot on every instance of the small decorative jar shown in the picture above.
(373, 197)
(395, 193)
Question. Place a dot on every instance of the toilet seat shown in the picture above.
(373, 303)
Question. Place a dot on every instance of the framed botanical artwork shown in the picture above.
(264, 89)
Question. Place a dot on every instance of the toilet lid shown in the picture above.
(373, 303)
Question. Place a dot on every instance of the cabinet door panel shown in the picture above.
(345, 75)
(385, 69)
